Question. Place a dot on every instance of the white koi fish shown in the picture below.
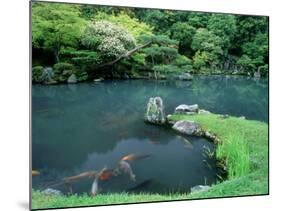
(126, 168)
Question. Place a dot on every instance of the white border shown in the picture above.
(14, 112)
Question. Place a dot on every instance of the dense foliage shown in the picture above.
(145, 42)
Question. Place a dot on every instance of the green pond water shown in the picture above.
(87, 126)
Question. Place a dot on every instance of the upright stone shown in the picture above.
(47, 74)
(72, 79)
(257, 74)
(155, 111)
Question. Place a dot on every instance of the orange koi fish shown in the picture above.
(106, 175)
(133, 156)
(35, 173)
(88, 174)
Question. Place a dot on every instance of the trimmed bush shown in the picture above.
(61, 67)
(63, 70)
(81, 75)
(36, 74)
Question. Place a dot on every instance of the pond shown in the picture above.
(84, 127)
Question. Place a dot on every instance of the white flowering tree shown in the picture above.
(110, 40)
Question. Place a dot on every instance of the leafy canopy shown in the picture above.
(223, 26)
(132, 25)
(56, 26)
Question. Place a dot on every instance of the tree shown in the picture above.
(198, 19)
(56, 26)
(132, 25)
(160, 20)
(163, 51)
(208, 48)
(108, 39)
(255, 54)
(248, 27)
(223, 26)
(184, 33)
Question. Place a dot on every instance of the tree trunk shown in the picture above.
(155, 73)
(56, 53)
(126, 55)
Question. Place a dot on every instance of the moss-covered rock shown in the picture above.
(155, 111)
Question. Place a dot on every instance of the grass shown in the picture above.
(243, 146)
(40, 200)
(235, 152)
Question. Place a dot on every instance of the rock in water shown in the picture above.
(51, 191)
(47, 74)
(185, 77)
(98, 79)
(188, 127)
(72, 79)
(155, 111)
(199, 188)
(187, 109)
(257, 74)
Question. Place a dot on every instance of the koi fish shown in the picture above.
(126, 168)
(133, 156)
(106, 175)
(95, 184)
(35, 173)
(88, 174)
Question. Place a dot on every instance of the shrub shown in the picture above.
(60, 67)
(182, 61)
(63, 70)
(36, 74)
(186, 68)
(81, 75)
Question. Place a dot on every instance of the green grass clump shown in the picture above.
(243, 146)
(235, 151)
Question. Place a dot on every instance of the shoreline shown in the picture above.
(102, 79)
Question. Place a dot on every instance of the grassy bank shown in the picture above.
(243, 147)
(43, 201)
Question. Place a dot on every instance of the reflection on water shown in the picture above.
(82, 127)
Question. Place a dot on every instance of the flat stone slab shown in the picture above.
(199, 188)
(188, 127)
(188, 109)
